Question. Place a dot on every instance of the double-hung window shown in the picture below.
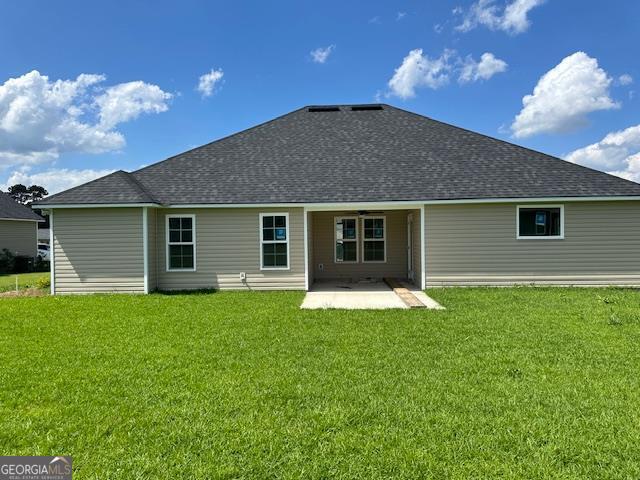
(540, 222)
(346, 239)
(274, 241)
(374, 244)
(181, 242)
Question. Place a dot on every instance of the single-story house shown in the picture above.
(347, 192)
(18, 227)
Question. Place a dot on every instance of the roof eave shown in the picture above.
(23, 219)
(600, 198)
(46, 206)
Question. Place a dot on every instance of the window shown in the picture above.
(540, 222)
(374, 239)
(346, 239)
(181, 243)
(274, 241)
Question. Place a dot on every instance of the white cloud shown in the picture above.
(400, 15)
(625, 79)
(486, 68)
(617, 153)
(632, 172)
(320, 55)
(515, 18)
(419, 70)
(207, 82)
(55, 179)
(512, 19)
(41, 119)
(126, 101)
(564, 96)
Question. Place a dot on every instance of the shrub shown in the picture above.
(43, 282)
(41, 265)
(23, 264)
(7, 261)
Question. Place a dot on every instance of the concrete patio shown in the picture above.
(366, 295)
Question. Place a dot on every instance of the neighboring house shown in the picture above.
(18, 227)
(347, 192)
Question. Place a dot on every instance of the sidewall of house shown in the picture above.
(98, 250)
(19, 237)
(228, 243)
(152, 246)
(476, 244)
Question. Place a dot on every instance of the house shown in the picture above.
(18, 227)
(347, 192)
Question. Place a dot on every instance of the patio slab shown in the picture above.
(355, 296)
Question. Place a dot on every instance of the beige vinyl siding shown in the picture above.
(417, 246)
(152, 246)
(98, 250)
(323, 248)
(227, 243)
(477, 245)
(20, 237)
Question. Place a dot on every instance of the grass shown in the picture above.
(25, 280)
(515, 383)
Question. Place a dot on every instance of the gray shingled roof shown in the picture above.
(386, 154)
(11, 209)
(117, 187)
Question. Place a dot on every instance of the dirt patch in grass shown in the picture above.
(27, 292)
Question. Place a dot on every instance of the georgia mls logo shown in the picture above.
(35, 468)
(60, 466)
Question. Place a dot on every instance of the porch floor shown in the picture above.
(367, 295)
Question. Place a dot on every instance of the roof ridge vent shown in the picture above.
(323, 108)
(366, 108)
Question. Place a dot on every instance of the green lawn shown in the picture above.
(25, 280)
(522, 382)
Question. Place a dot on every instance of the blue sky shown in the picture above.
(61, 135)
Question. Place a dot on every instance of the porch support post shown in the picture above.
(306, 249)
(145, 249)
(423, 250)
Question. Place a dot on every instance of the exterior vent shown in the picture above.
(366, 108)
(324, 109)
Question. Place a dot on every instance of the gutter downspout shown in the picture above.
(52, 250)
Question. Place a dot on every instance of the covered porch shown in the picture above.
(364, 246)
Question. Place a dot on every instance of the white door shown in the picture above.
(410, 273)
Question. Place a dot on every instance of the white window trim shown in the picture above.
(262, 242)
(193, 241)
(383, 239)
(540, 237)
(356, 240)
